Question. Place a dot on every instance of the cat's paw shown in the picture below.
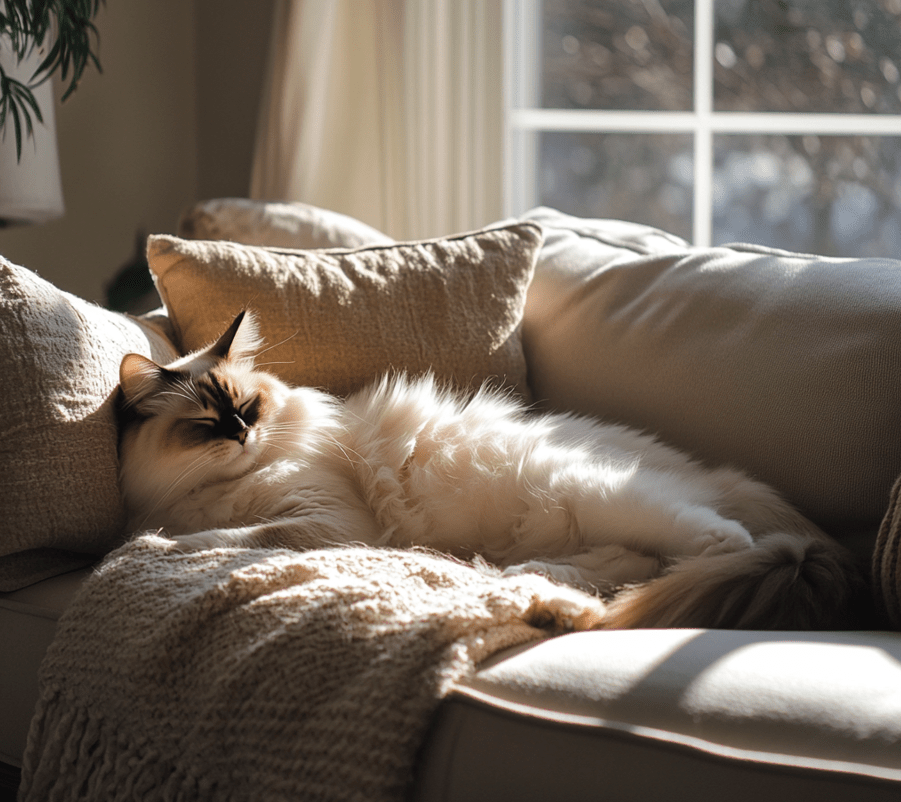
(567, 574)
(561, 608)
(199, 541)
(726, 536)
(703, 531)
(567, 611)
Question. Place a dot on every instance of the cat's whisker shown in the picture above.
(199, 462)
(178, 395)
(184, 390)
(189, 389)
(347, 451)
(276, 345)
(278, 446)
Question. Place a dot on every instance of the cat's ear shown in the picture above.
(241, 340)
(139, 376)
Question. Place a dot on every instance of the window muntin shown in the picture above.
(606, 121)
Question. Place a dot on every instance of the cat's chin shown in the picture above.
(242, 463)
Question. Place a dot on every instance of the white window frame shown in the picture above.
(523, 116)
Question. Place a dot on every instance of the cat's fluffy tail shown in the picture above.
(790, 582)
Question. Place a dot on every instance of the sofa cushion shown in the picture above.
(60, 366)
(338, 318)
(675, 714)
(28, 619)
(275, 224)
(786, 365)
(886, 566)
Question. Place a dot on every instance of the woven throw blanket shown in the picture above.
(263, 675)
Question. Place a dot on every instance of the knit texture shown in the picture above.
(248, 674)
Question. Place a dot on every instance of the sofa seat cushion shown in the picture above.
(654, 714)
(785, 365)
(28, 619)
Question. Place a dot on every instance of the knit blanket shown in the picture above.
(248, 674)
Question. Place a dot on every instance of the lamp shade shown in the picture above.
(30, 189)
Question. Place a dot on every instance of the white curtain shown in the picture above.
(390, 111)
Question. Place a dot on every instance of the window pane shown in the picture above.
(642, 178)
(808, 55)
(832, 195)
(617, 54)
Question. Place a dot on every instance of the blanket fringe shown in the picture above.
(84, 758)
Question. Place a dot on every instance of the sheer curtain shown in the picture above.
(390, 111)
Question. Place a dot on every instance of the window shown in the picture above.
(768, 121)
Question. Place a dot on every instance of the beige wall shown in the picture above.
(232, 44)
(169, 121)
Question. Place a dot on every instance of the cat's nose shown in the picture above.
(237, 429)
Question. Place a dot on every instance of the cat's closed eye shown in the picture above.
(249, 411)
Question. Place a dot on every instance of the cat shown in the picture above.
(216, 452)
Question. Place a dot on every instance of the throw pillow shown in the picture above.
(787, 365)
(59, 365)
(338, 318)
(275, 224)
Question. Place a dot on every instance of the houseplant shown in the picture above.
(63, 32)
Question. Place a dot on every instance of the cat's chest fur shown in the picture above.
(270, 490)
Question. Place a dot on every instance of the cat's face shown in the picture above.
(204, 418)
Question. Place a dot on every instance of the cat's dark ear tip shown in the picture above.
(240, 340)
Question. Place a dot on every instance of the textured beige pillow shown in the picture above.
(784, 364)
(59, 367)
(275, 224)
(336, 319)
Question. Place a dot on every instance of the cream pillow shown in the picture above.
(275, 224)
(59, 364)
(338, 318)
(787, 365)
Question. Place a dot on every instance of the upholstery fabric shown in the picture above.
(275, 224)
(59, 362)
(696, 715)
(786, 365)
(886, 569)
(338, 318)
(28, 619)
(724, 691)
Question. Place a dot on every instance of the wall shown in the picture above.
(232, 45)
(169, 121)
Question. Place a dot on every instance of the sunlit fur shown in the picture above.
(219, 453)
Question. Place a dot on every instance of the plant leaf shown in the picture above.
(74, 36)
(17, 127)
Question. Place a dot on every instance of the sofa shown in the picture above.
(786, 365)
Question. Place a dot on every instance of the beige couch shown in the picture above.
(787, 365)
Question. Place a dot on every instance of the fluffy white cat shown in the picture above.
(219, 453)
